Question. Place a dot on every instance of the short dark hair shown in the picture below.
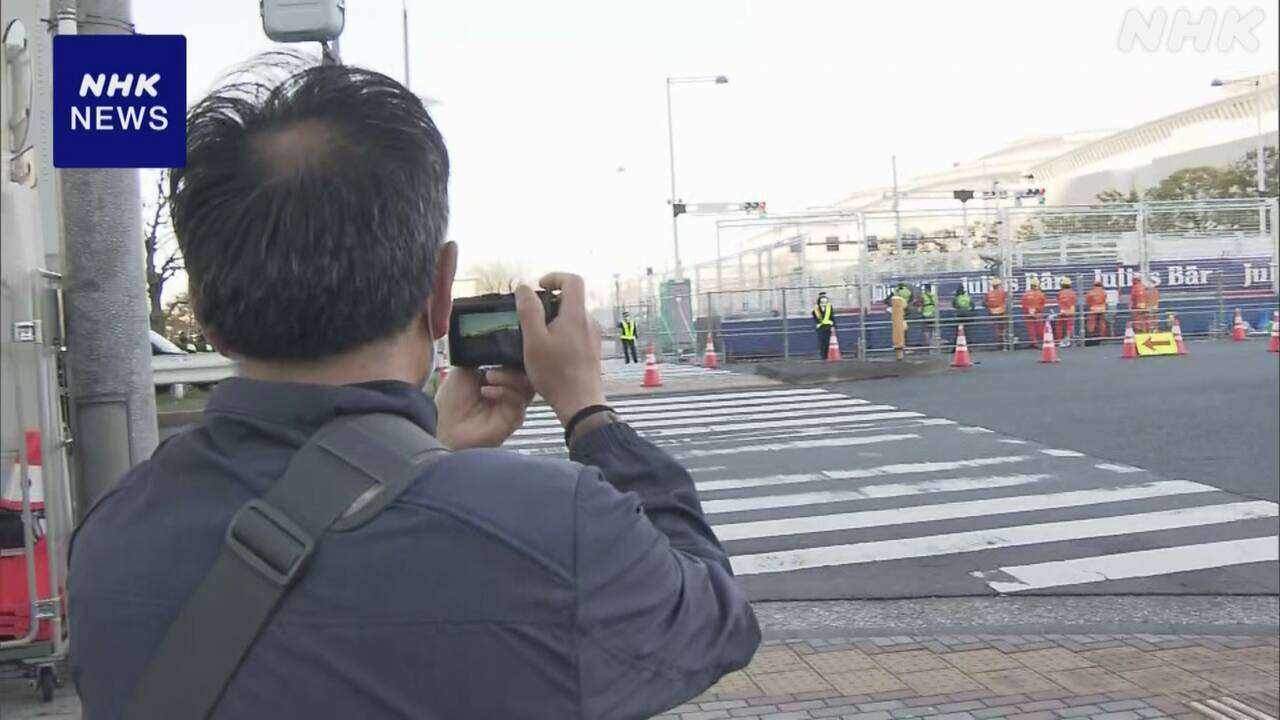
(311, 208)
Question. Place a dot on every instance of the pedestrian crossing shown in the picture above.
(817, 494)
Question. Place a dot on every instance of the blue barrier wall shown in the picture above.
(1189, 288)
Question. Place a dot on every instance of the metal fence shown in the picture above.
(1205, 259)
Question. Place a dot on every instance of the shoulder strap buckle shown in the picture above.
(269, 542)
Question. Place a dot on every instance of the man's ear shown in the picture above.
(440, 304)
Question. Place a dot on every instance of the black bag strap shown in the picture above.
(344, 476)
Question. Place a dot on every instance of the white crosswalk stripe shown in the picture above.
(803, 480)
(1140, 563)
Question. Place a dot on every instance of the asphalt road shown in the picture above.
(1212, 416)
(1010, 478)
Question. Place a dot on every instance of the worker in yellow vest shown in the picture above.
(627, 335)
(824, 322)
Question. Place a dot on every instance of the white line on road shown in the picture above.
(1138, 564)
(1012, 441)
(948, 511)
(709, 468)
(894, 469)
(870, 492)
(748, 405)
(1061, 453)
(684, 399)
(977, 540)
(657, 429)
(796, 445)
(697, 416)
(974, 429)
(1118, 468)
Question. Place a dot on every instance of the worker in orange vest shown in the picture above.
(1066, 312)
(997, 304)
(1033, 309)
(1095, 303)
(1138, 303)
(1153, 308)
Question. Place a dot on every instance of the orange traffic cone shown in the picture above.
(1274, 345)
(651, 376)
(1048, 348)
(11, 491)
(833, 348)
(1130, 343)
(961, 359)
(1177, 336)
(1237, 329)
(709, 359)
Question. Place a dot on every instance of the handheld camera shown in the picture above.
(485, 330)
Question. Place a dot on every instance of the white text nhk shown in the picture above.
(119, 117)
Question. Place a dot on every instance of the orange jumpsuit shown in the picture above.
(995, 302)
(1153, 309)
(1033, 308)
(1138, 305)
(1066, 313)
(1095, 302)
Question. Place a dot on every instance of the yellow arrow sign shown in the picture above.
(1161, 343)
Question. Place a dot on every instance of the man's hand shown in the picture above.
(563, 358)
(481, 409)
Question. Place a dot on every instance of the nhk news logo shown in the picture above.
(119, 101)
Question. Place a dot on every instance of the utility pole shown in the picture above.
(897, 218)
(113, 403)
(404, 24)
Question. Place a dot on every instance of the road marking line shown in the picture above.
(1118, 468)
(554, 445)
(673, 418)
(798, 402)
(684, 399)
(796, 445)
(894, 469)
(537, 438)
(977, 540)
(709, 468)
(870, 492)
(1138, 564)
(946, 511)
(1012, 441)
(974, 429)
(1061, 453)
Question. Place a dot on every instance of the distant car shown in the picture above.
(174, 368)
(161, 345)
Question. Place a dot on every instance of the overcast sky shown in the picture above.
(555, 116)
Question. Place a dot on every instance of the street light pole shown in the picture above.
(1262, 145)
(675, 217)
(671, 147)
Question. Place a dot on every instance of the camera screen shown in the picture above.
(477, 324)
(490, 338)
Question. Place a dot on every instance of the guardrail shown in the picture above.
(193, 369)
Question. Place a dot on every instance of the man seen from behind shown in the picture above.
(312, 215)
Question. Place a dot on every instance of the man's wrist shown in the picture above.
(565, 411)
(588, 420)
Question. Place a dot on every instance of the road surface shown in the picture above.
(894, 489)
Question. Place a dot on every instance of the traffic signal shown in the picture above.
(754, 207)
(677, 209)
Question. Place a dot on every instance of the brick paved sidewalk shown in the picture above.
(1028, 677)
(965, 677)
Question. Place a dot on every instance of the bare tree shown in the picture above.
(179, 317)
(497, 276)
(164, 259)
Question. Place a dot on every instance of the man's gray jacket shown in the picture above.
(498, 586)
